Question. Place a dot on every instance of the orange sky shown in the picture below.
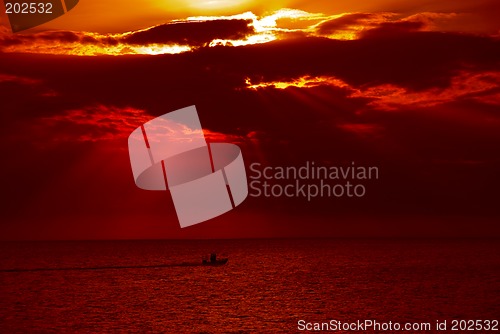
(102, 27)
(120, 16)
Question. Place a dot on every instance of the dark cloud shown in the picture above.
(414, 60)
(191, 33)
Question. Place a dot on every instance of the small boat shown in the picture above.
(218, 262)
(213, 260)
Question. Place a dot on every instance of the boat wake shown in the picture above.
(169, 265)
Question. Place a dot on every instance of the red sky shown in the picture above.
(410, 87)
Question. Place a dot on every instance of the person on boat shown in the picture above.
(213, 257)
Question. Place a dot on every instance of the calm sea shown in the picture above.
(266, 287)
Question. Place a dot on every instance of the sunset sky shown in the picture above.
(409, 86)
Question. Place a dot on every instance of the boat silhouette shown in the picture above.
(218, 262)
(213, 260)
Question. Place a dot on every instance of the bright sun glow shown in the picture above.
(158, 49)
(265, 27)
(217, 4)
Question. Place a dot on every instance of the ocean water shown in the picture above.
(267, 286)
